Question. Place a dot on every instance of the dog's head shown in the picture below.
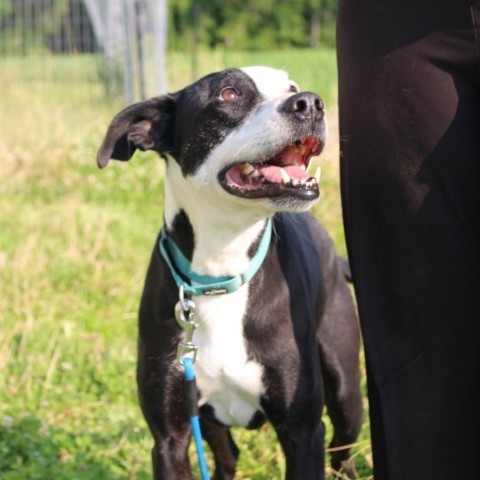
(245, 134)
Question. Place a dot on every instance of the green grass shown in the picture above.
(74, 247)
(313, 70)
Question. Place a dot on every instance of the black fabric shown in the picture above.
(190, 394)
(409, 97)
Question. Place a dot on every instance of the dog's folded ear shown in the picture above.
(145, 125)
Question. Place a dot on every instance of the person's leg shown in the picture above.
(409, 94)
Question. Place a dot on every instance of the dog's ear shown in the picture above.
(145, 125)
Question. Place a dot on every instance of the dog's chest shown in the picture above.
(228, 380)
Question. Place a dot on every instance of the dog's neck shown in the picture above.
(217, 236)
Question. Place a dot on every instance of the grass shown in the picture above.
(74, 248)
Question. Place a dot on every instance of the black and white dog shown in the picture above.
(237, 145)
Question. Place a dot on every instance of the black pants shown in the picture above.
(409, 96)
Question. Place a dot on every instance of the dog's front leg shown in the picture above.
(170, 457)
(304, 454)
(160, 388)
(301, 434)
(171, 431)
(223, 448)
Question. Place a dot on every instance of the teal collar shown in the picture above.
(194, 284)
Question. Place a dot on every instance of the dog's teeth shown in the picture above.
(285, 177)
(247, 169)
(295, 182)
(255, 177)
(318, 174)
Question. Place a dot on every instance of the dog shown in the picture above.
(285, 343)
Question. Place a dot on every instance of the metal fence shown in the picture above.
(124, 40)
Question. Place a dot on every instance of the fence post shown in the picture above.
(139, 33)
(98, 25)
(129, 80)
(158, 9)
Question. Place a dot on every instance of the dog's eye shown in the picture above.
(293, 88)
(228, 94)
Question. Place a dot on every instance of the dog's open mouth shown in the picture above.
(283, 174)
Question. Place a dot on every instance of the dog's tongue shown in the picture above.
(273, 174)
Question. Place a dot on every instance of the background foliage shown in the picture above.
(250, 24)
(238, 24)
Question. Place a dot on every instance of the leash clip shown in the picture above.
(186, 356)
(185, 316)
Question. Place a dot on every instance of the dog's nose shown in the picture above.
(304, 105)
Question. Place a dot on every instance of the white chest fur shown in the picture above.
(227, 379)
(223, 232)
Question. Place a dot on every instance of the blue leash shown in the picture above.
(192, 411)
(186, 356)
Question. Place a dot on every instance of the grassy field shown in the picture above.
(74, 247)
